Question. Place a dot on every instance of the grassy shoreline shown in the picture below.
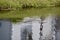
(18, 9)
(5, 4)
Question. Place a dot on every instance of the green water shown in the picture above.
(29, 12)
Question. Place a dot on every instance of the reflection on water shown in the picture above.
(31, 28)
(36, 29)
(30, 12)
(5, 29)
(16, 31)
(48, 28)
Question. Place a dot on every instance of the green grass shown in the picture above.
(31, 8)
(29, 3)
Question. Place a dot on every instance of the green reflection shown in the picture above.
(29, 12)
